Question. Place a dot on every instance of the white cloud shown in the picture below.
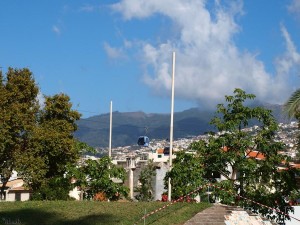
(56, 29)
(209, 65)
(288, 62)
(291, 56)
(294, 7)
(117, 53)
(113, 53)
(127, 44)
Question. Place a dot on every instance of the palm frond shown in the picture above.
(292, 106)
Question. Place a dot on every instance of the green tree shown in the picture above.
(227, 153)
(292, 109)
(84, 148)
(145, 188)
(100, 176)
(53, 146)
(18, 110)
(187, 174)
(55, 188)
(292, 105)
(36, 142)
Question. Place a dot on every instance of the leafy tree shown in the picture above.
(18, 109)
(292, 109)
(36, 142)
(57, 121)
(186, 174)
(55, 188)
(84, 148)
(145, 188)
(292, 105)
(227, 153)
(99, 176)
(53, 144)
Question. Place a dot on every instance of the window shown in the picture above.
(18, 196)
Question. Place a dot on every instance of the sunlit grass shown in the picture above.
(94, 213)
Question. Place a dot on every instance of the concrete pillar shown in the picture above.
(131, 182)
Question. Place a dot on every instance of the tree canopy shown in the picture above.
(247, 160)
(18, 116)
(145, 189)
(100, 177)
(36, 141)
(292, 105)
(292, 109)
(187, 174)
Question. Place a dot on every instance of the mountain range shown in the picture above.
(128, 126)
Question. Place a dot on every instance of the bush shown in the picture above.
(53, 189)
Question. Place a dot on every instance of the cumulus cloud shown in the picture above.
(209, 64)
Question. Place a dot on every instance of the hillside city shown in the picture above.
(287, 134)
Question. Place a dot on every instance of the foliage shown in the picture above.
(52, 144)
(145, 188)
(84, 148)
(186, 174)
(292, 109)
(56, 188)
(292, 105)
(228, 152)
(96, 176)
(18, 109)
(100, 196)
(35, 141)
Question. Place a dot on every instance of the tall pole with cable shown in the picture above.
(110, 130)
(171, 127)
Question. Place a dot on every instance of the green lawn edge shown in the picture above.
(95, 213)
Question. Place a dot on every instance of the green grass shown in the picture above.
(95, 213)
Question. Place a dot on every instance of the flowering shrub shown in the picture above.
(164, 198)
(100, 196)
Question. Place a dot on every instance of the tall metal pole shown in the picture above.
(171, 127)
(110, 130)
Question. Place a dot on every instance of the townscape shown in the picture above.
(287, 134)
(228, 69)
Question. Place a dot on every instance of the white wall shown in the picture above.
(11, 196)
(159, 181)
(154, 156)
(75, 193)
(25, 196)
(296, 215)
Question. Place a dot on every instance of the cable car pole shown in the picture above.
(110, 130)
(171, 128)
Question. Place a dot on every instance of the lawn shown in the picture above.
(95, 213)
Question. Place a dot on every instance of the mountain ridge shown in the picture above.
(128, 126)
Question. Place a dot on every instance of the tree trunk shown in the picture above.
(2, 190)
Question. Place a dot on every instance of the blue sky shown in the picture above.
(121, 51)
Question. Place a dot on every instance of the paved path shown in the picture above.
(217, 214)
(210, 216)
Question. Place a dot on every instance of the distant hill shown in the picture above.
(128, 126)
